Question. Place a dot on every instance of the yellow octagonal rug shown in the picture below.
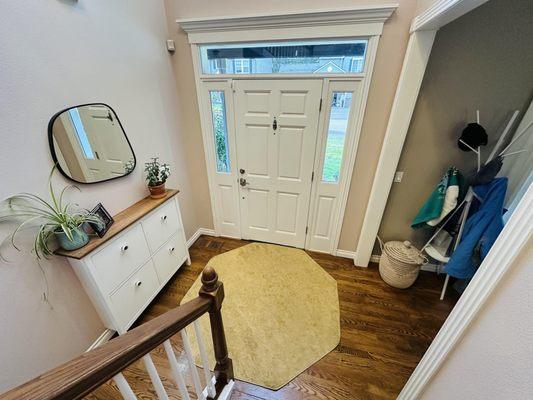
(280, 312)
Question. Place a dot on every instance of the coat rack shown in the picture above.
(467, 201)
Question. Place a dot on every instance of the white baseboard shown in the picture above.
(430, 267)
(103, 338)
(374, 258)
(198, 233)
(345, 254)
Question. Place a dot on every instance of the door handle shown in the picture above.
(243, 182)
(275, 124)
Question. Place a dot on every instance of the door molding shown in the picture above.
(354, 21)
(358, 22)
(423, 31)
(514, 237)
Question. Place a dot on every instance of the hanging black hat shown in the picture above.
(474, 135)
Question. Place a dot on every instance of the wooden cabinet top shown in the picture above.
(123, 219)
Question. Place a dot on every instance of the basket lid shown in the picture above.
(404, 252)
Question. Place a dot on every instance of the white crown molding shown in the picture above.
(361, 14)
(443, 12)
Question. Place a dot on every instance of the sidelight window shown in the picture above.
(338, 125)
(310, 57)
(220, 130)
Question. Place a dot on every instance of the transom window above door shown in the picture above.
(310, 57)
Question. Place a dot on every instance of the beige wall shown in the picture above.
(424, 5)
(386, 71)
(494, 359)
(54, 54)
(480, 61)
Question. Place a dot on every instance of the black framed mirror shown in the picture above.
(89, 144)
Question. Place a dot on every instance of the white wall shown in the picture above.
(54, 54)
(494, 360)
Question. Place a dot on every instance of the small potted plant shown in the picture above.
(54, 218)
(156, 175)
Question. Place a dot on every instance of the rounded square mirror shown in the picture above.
(89, 145)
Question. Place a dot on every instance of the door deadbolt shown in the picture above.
(242, 171)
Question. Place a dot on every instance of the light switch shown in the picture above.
(398, 176)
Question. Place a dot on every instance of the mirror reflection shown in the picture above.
(89, 144)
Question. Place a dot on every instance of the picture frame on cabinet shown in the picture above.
(107, 219)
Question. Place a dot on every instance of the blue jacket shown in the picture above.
(480, 231)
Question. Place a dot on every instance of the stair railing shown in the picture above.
(82, 375)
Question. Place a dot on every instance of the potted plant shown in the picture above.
(156, 175)
(54, 218)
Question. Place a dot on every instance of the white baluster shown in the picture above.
(192, 365)
(205, 362)
(154, 377)
(124, 387)
(176, 373)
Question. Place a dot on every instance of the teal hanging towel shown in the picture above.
(442, 201)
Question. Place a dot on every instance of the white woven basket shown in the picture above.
(400, 263)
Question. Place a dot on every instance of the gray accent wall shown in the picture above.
(483, 60)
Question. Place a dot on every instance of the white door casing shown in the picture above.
(226, 207)
(355, 22)
(326, 210)
(276, 131)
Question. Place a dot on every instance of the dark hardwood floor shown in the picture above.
(384, 333)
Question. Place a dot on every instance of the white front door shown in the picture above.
(276, 124)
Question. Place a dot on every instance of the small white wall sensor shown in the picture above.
(171, 47)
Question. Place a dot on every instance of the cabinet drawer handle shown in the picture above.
(163, 218)
(171, 250)
(124, 248)
(138, 283)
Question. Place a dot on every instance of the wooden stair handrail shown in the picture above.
(80, 376)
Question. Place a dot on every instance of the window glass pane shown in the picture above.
(220, 130)
(338, 57)
(338, 124)
(81, 134)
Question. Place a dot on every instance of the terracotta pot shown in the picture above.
(157, 192)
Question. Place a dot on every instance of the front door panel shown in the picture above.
(276, 130)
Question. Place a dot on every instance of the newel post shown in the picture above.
(211, 287)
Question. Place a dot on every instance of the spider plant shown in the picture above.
(53, 217)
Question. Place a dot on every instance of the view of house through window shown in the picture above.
(220, 130)
(338, 124)
(337, 57)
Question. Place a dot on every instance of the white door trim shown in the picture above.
(511, 241)
(443, 12)
(501, 257)
(328, 23)
(358, 22)
(353, 145)
(414, 66)
(423, 30)
(227, 221)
